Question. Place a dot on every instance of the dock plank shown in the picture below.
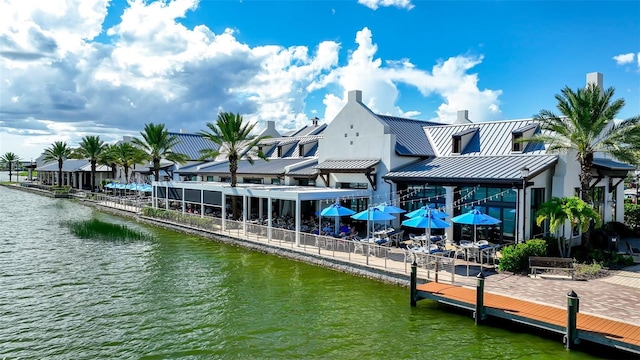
(596, 328)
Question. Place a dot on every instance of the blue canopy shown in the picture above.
(373, 214)
(426, 221)
(421, 211)
(475, 217)
(390, 209)
(110, 185)
(336, 210)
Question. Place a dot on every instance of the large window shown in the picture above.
(422, 195)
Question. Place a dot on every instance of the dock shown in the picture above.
(570, 323)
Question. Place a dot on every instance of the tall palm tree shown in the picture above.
(92, 149)
(234, 141)
(59, 151)
(8, 159)
(560, 210)
(586, 127)
(126, 155)
(157, 144)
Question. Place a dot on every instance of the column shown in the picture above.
(449, 209)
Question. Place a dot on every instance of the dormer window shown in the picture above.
(515, 145)
(517, 136)
(457, 145)
(301, 150)
(279, 151)
(461, 139)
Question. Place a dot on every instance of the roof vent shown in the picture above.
(315, 121)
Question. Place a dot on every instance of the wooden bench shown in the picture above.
(551, 263)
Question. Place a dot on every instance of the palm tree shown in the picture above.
(59, 151)
(234, 141)
(8, 159)
(157, 144)
(126, 155)
(586, 127)
(92, 149)
(108, 159)
(560, 210)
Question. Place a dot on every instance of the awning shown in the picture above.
(348, 166)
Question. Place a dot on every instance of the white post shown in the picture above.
(449, 209)
(224, 210)
(244, 214)
(269, 217)
(298, 219)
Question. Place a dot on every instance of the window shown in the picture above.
(301, 150)
(353, 185)
(209, 178)
(457, 144)
(515, 145)
(252, 180)
(279, 151)
(275, 181)
(225, 179)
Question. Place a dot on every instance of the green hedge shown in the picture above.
(515, 258)
(632, 215)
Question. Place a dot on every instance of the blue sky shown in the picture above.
(73, 68)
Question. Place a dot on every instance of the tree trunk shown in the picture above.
(93, 175)
(59, 172)
(156, 169)
(586, 164)
(10, 171)
(233, 169)
(126, 173)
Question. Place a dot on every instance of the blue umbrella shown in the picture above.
(372, 214)
(110, 185)
(426, 221)
(336, 210)
(475, 217)
(390, 209)
(435, 212)
(131, 186)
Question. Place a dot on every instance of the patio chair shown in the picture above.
(358, 247)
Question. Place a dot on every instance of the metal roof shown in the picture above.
(304, 170)
(259, 167)
(611, 164)
(191, 144)
(308, 130)
(347, 164)
(492, 139)
(410, 135)
(72, 165)
(473, 169)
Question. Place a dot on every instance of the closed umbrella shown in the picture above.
(475, 217)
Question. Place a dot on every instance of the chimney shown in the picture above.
(127, 138)
(463, 117)
(595, 78)
(181, 131)
(355, 95)
(270, 130)
(315, 121)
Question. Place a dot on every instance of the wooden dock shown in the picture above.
(590, 328)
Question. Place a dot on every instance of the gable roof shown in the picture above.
(259, 167)
(191, 144)
(411, 139)
(72, 165)
(492, 139)
(476, 169)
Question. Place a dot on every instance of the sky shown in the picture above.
(71, 68)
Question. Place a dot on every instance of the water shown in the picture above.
(179, 296)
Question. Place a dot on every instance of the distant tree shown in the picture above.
(158, 143)
(587, 126)
(59, 151)
(92, 149)
(8, 160)
(126, 155)
(235, 142)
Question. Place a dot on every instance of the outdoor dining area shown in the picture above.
(422, 247)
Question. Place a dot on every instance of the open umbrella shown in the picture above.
(372, 214)
(426, 221)
(390, 209)
(421, 211)
(475, 217)
(336, 210)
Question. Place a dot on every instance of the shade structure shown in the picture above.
(389, 209)
(372, 214)
(336, 209)
(426, 221)
(421, 211)
(476, 218)
(110, 185)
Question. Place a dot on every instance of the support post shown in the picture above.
(479, 313)
(573, 307)
(436, 269)
(414, 283)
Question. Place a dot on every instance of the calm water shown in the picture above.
(183, 297)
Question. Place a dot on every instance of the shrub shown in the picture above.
(618, 228)
(515, 258)
(632, 215)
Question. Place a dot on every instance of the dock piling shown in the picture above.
(414, 283)
(573, 304)
(479, 313)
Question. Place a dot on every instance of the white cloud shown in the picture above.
(448, 79)
(375, 4)
(623, 59)
(63, 84)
